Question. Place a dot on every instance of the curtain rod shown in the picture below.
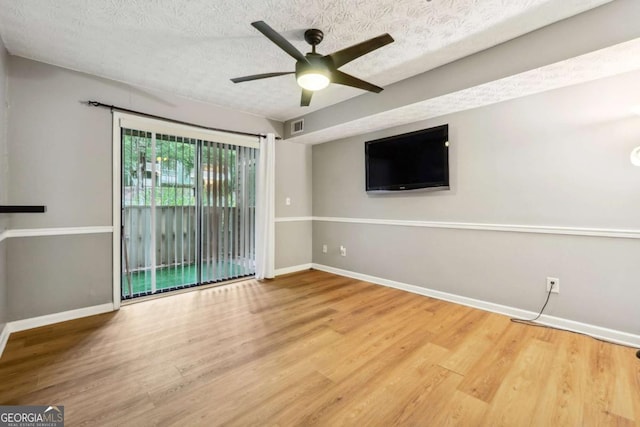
(152, 116)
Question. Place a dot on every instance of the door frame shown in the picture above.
(158, 126)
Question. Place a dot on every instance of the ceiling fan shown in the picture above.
(315, 71)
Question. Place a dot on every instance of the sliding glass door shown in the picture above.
(188, 211)
(228, 201)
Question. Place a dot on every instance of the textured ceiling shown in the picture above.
(621, 58)
(192, 48)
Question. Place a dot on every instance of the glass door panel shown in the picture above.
(188, 212)
(228, 211)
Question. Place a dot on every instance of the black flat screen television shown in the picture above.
(411, 161)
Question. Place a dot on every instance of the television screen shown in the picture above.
(411, 161)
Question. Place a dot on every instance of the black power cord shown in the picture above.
(532, 322)
(527, 321)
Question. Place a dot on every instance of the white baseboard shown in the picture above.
(49, 319)
(293, 269)
(599, 332)
(612, 335)
(4, 337)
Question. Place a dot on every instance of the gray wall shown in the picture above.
(4, 178)
(559, 158)
(293, 181)
(50, 274)
(60, 153)
(60, 149)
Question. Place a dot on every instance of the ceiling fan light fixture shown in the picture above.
(315, 71)
(313, 79)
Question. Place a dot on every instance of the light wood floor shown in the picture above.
(314, 348)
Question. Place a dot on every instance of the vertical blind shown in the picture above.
(228, 210)
(188, 207)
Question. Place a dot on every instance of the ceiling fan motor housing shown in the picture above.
(313, 36)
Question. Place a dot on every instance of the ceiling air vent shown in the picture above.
(297, 126)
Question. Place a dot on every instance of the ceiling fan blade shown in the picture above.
(282, 43)
(348, 80)
(260, 76)
(350, 53)
(305, 99)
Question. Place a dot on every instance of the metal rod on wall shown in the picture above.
(152, 116)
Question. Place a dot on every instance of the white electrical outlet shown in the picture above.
(287, 201)
(343, 251)
(556, 285)
(324, 249)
